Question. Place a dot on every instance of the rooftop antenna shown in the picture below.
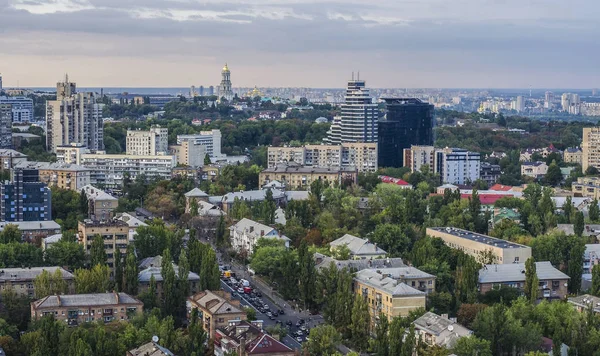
(352, 75)
(358, 75)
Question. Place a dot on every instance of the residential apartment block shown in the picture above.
(573, 155)
(297, 176)
(416, 157)
(77, 309)
(189, 154)
(457, 166)
(477, 245)
(490, 173)
(386, 295)
(61, 175)
(362, 156)
(552, 282)
(588, 187)
(21, 108)
(25, 198)
(536, 170)
(34, 230)
(115, 234)
(21, 280)
(216, 309)
(101, 205)
(147, 143)
(590, 148)
(5, 127)
(245, 234)
(411, 276)
(70, 154)
(211, 140)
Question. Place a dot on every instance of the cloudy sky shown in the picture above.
(314, 43)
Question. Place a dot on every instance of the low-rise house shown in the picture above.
(50, 240)
(33, 230)
(397, 181)
(152, 267)
(150, 349)
(535, 170)
(588, 187)
(252, 196)
(216, 309)
(21, 280)
(582, 303)
(246, 233)
(77, 309)
(501, 214)
(11, 158)
(386, 295)
(245, 338)
(101, 205)
(194, 195)
(573, 155)
(552, 282)
(436, 330)
(322, 261)
(360, 249)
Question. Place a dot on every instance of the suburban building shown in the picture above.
(411, 276)
(407, 122)
(196, 195)
(5, 127)
(297, 176)
(245, 234)
(552, 282)
(210, 173)
(147, 143)
(417, 157)
(573, 155)
(323, 261)
(21, 108)
(152, 267)
(216, 309)
(211, 140)
(477, 245)
(362, 156)
(226, 201)
(490, 173)
(25, 198)
(536, 170)
(436, 330)
(397, 181)
(591, 257)
(588, 187)
(457, 165)
(590, 148)
(386, 295)
(360, 249)
(21, 280)
(109, 170)
(245, 338)
(115, 234)
(189, 154)
(582, 303)
(77, 309)
(61, 175)
(10, 158)
(33, 230)
(74, 118)
(150, 349)
(50, 240)
(101, 205)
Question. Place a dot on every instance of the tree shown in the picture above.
(16, 310)
(381, 336)
(595, 290)
(323, 340)
(594, 211)
(194, 207)
(83, 203)
(149, 296)
(466, 278)
(118, 270)
(95, 280)
(131, 272)
(531, 280)
(472, 345)
(183, 284)
(359, 328)
(568, 209)
(307, 277)
(250, 313)
(207, 160)
(578, 224)
(210, 276)
(396, 336)
(553, 176)
(97, 252)
(220, 232)
(196, 333)
(268, 208)
(591, 171)
(43, 285)
(66, 254)
(409, 343)
(10, 233)
(169, 294)
(391, 238)
(344, 300)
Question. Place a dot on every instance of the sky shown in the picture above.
(301, 43)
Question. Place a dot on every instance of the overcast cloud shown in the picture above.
(318, 43)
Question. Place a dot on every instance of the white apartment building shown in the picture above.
(70, 154)
(246, 233)
(74, 118)
(571, 103)
(362, 156)
(590, 148)
(189, 154)
(209, 139)
(147, 143)
(109, 170)
(416, 157)
(457, 165)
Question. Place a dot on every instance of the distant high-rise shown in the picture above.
(520, 103)
(407, 122)
(211, 91)
(193, 92)
(590, 146)
(73, 118)
(358, 119)
(549, 100)
(5, 126)
(225, 87)
(571, 103)
(201, 90)
(0, 81)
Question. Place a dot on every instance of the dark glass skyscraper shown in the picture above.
(407, 122)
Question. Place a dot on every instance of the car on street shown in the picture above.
(240, 290)
(302, 327)
(299, 339)
(275, 313)
(266, 306)
(280, 311)
(269, 314)
(299, 333)
(288, 323)
(298, 324)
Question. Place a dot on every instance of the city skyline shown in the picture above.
(275, 43)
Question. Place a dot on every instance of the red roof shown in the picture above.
(392, 180)
(500, 187)
(486, 199)
(266, 344)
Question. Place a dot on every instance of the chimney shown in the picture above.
(58, 300)
(262, 233)
(116, 297)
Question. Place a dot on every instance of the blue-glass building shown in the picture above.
(25, 198)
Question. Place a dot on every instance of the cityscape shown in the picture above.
(320, 179)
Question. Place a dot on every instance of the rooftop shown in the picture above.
(473, 236)
(85, 300)
(147, 274)
(323, 261)
(289, 168)
(515, 272)
(215, 303)
(250, 195)
(406, 272)
(31, 225)
(358, 246)
(533, 164)
(51, 165)
(130, 220)
(386, 284)
(196, 193)
(103, 223)
(97, 194)
(445, 330)
(151, 349)
(586, 301)
(7, 152)
(23, 274)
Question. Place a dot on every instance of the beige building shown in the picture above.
(210, 173)
(411, 276)
(552, 282)
(296, 176)
(416, 157)
(101, 205)
(115, 234)
(147, 143)
(188, 154)
(61, 175)
(21, 280)
(590, 148)
(362, 156)
(70, 154)
(573, 155)
(536, 170)
(216, 309)
(588, 187)
(77, 309)
(194, 195)
(479, 246)
(386, 295)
